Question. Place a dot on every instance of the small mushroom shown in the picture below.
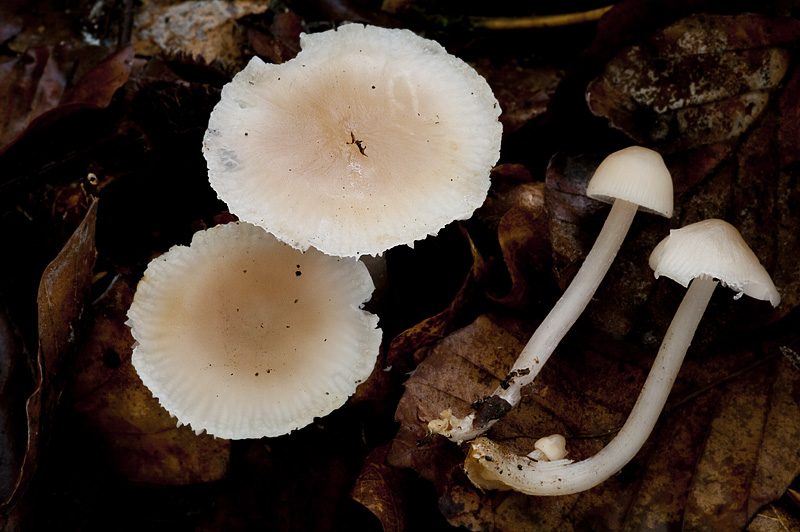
(633, 178)
(243, 336)
(368, 139)
(705, 253)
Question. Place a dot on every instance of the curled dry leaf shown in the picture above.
(63, 290)
(136, 436)
(514, 214)
(703, 80)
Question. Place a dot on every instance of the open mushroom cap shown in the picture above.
(713, 248)
(243, 336)
(368, 139)
(634, 174)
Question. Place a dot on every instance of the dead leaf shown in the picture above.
(204, 29)
(15, 387)
(63, 290)
(523, 92)
(282, 43)
(426, 333)
(703, 80)
(38, 90)
(775, 518)
(97, 87)
(32, 85)
(726, 444)
(140, 440)
(379, 489)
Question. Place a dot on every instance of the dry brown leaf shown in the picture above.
(379, 489)
(523, 92)
(63, 290)
(727, 443)
(140, 440)
(774, 519)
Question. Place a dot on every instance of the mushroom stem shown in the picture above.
(550, 331)
(489, 466)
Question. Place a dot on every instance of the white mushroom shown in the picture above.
(704, 253)
(243, 336)
(633, 178)
(368, 139)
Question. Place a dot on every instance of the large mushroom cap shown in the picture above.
(368, 139)
(634, 174)
(713, 248)
(245, 337)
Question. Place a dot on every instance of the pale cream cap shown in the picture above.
(243, 336)
(634, 174)
(713, 248)
(368, 139)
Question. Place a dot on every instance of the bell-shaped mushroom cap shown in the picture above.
(634, 174)
(368, 139)
(243, 336)
(713, 248)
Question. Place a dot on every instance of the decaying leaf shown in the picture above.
(774, 519)
(202, 29)
(379, 488)
(139, 439)
(705, 79)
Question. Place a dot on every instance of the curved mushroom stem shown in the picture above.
(489, 466)
(550, 331)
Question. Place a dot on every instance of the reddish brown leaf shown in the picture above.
(283, 41)
(32, 84)
(97, 87)
(37, 89)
